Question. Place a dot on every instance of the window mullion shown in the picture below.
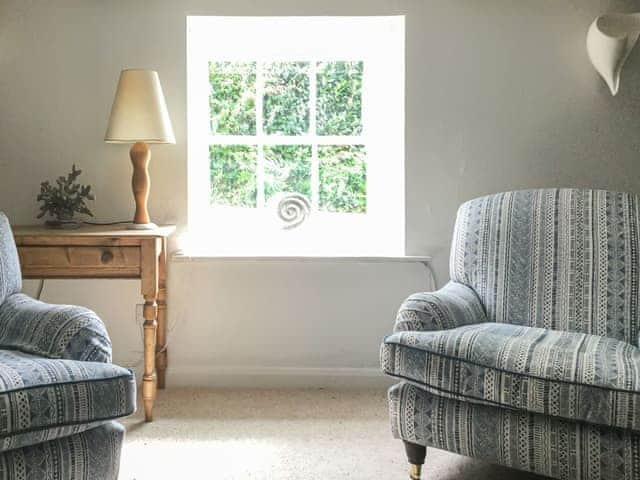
(260, 135)
(315, 166)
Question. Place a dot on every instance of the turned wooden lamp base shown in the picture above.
(140, 184)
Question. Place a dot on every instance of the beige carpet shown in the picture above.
(280, 434)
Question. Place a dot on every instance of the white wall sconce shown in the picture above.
(610, 39)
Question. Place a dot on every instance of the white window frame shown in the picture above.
(376, 41)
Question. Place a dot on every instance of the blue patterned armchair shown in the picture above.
(529, 356)
(59, 393)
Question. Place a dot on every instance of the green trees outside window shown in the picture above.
(287, 93)
(286, 98)
(343, 178)
(339, 109)
(287, 168)
(232, 101)
(233, 175)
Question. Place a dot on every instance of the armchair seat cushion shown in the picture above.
(570, 375)
(43, 399)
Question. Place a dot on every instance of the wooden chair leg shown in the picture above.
(416, 455)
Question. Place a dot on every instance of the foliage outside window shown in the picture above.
(313, 108)
(339, 98)
(342, 169)
(287, 169)
(232, 100)
(286, 98)
(233, 175)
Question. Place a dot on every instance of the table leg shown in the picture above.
(149, 377)
(161, 347)
(149, 277)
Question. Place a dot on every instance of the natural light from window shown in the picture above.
(296, 136)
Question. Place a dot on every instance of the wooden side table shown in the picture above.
(110, 252)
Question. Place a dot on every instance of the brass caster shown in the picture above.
(415, 472)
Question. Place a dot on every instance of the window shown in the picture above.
(296, 135)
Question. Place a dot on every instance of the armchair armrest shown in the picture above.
(452, 306)
(53, 331)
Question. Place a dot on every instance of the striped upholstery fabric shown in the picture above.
(91, 455)
(10, 279)
(537, 443)
(43, 397)
(537, 334)
(58, 391)
(21, 440)
(451, 306)
(53, 331)
(564, 374)
(564, 259)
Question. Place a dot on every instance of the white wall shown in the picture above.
(500, 95)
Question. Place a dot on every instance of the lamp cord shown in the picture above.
(40, 288)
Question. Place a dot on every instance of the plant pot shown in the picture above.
(63, 224)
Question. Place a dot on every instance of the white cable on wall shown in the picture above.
(433, 285)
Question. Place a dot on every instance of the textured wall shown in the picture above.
(500, 95)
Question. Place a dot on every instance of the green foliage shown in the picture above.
(286, 98)
(343, 180)
(233, 175)
(66, 198)
(287, 169)
(339, 110)
(232, 99)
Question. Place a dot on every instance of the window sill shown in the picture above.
(181, 256)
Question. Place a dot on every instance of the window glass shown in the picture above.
(343, 179)
(339, 110)
(286, 98)
(232, 103)
(233, 175)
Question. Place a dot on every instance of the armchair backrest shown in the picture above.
(565, 259)
(10, 278)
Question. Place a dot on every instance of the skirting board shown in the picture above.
(276, 377)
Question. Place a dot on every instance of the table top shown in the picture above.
(92, 231)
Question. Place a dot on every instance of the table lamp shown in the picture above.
(139, 116)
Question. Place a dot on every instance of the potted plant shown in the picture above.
(64, 199)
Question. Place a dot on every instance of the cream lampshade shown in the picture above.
(139, 115)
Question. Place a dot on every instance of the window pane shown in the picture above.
(287, 169)
(286, 98)
(232, 103)
(233, 175)
(339, 109)
(343, 179)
